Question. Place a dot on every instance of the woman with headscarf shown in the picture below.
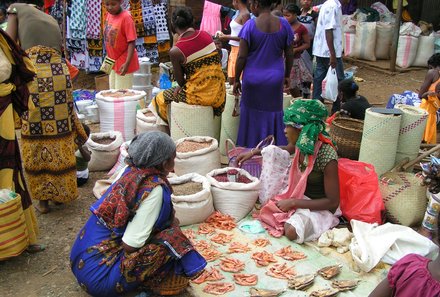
(17, 72)
(305, 196)
(132, 238)
(51, 130)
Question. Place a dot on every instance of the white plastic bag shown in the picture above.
(330, 85)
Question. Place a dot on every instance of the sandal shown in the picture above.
(35, 248)
(42, 210)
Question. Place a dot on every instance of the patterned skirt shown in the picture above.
(299, 74)
(50, 130)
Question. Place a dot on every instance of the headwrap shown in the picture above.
(150, 149)
(311, 114)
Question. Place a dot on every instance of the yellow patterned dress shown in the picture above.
(205, 81)
(51, 130)
(16, 72)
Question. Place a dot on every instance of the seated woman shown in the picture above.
(353, 105)
(306, 208)
(132, 238)
(197, 69)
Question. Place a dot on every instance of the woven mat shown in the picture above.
(316, 259)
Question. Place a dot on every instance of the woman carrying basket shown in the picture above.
(307, 193)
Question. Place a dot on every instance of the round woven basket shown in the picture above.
(347, 134)
(172, 285)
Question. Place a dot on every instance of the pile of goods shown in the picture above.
(118, 93)
(431, 175)
(188, 188)
(147, 121)
(105, 148)
(188, 146)
(232, 176)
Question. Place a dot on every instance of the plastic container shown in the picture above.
(140, 79)
(81, 105)
(92, 112)
(144, 66)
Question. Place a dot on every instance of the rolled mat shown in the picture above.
(379, 140)
(411, 131)
(229, 124)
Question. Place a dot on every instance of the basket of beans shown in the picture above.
(234, 191)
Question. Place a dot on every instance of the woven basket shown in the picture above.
(347, 134)
(14, 238)
(404, 198)
(172, 285)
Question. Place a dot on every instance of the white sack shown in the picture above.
(104, 156)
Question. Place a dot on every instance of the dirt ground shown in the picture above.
(48, 273)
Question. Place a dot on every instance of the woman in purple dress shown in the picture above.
(265, 59)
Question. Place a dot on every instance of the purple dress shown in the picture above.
(261, 106)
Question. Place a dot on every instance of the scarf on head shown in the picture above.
(121, 203)
(311, 114)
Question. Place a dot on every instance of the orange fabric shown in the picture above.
(72, 70)
(431, 105)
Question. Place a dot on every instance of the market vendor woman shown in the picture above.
(310, 199)
(197, 69)
(132, 238)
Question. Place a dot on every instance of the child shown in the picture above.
(120, 37)
(222, 52)
(308, 18)
(82, 156)
(430, 101)
(411, 276)
(300, 77)
(353, 105)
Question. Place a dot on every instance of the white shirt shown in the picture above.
(330, 18)
(140, 227)
(225, 56)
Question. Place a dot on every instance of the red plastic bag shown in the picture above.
(360, 196)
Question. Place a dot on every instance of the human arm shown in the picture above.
(177, 59)
(329, 202)
(331, 47)
(243, 53)
(12, 29)
(139, 228)
(130, 53)
(224, 37)
(305, 45)
(429, 78)
(383, 289)
(85, 153)
(255, 152)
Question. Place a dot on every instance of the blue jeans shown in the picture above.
(322, 65)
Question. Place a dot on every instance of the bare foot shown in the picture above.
(43, 207)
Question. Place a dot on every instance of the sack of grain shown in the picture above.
(406, 50)
(123, 153)
(425, 50)
(365, 44)
(234, 191)
(384, 38)
(348, 24)
(348, 42)
(146, 121)
(192, 199)
(196, 154)
(105, 150)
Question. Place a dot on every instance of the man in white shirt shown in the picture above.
(327, 46)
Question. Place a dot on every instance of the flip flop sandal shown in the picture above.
(35, 248)
(42, 211)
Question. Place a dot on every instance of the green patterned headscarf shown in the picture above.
(310, 114)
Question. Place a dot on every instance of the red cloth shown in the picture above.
(48, 5)
(194, 43)
(298, 39)
(410, 277)
(119, 31)
(272, 218)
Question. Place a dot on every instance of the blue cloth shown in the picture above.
(322, 65)
(101, 278)
(408, 98)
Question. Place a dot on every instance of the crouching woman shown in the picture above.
(300, 195)
(132, 239)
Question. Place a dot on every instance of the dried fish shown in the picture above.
(330, 271)
(324, 293)
(255, 292)
(301, 282)
(345, 285)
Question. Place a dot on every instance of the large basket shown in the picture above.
(172, 285)
(347, 134)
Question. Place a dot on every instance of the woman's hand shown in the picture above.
(243, 157)
(237, 88)
(222, 37)
(286, 204)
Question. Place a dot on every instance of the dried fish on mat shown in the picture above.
(345, 285)
(243, 279)
(324, 293)
(237, 247)
(221, 221)
(231, 265)
(222, 238)
(263, 258)
(330, 271)
(205, 228)
(208, 275)
(202, 245)
(210, 254)
(281, 271)
(261, 242)
(255, 292)
(219, 288)
(288, 254)
(301, 282)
